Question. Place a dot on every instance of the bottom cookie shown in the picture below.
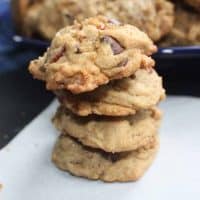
(79, 160)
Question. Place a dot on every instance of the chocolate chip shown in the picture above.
(42, 69)
(123, 63)
(133, 76)
(31, 2)
(115, 46)
(114, 157)
(77, 49)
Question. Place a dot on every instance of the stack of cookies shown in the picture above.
(102, 73)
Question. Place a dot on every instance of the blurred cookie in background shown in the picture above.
(46, 17)
(155, 17)
(20, 8)
(186, 30)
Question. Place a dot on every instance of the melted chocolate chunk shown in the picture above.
(114, 44)
(114, 157)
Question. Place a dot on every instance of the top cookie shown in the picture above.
(155, 17)
(89, 54)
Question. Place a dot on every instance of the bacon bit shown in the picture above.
(81, 37)
(79, 79)
(149, 70)
(58, 54)
(101, 26)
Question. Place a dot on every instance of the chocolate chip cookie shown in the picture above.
(111, 134)
(91, 53)
(155, 17)
(186, 30)
(79, 160)
(119, 98)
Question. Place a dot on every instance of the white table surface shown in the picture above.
(26, 171)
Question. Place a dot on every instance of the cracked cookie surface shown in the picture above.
(119, 98)
(89, 54)
(112, 134)
(71, 156)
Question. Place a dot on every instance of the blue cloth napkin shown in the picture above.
(12, 55)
